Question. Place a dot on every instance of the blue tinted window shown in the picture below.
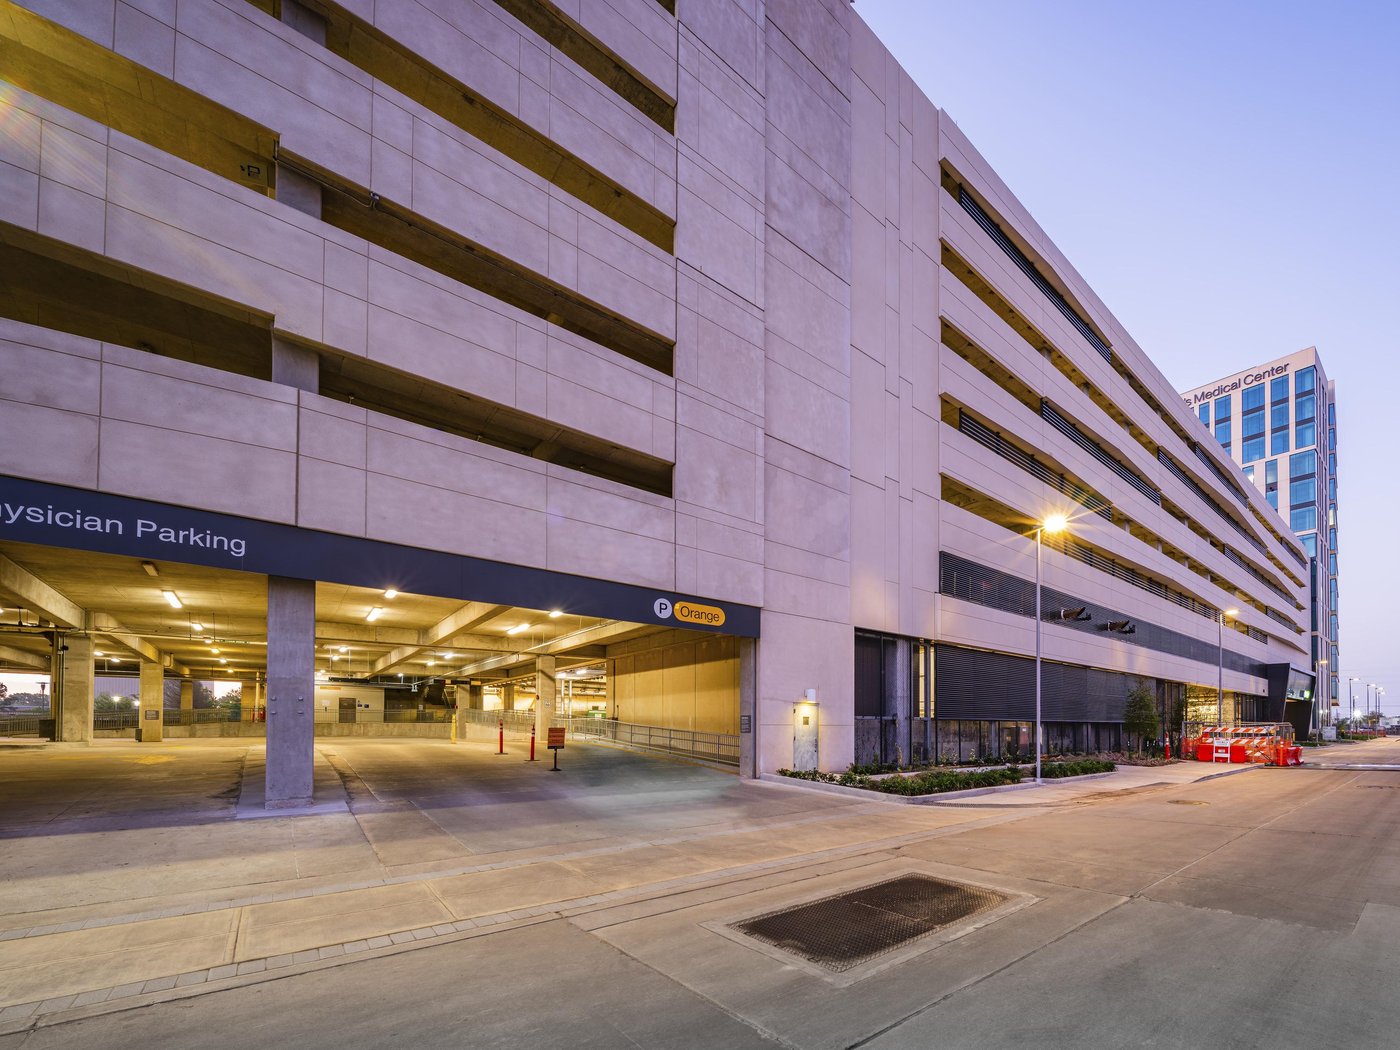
(1252, 449)
(1249, 473)
(1305, 408)
(1278, 416)
(1302, 463)
(1307, 380)
(1307, 434)
(1331, 437)
(1278, 389)
(1204, 413)
(1309, 543)
(1303, 519)
(1331, 415)
(1253, 397)
(1222, 433)
(1332, 563)
(1278, 443)
(1302, 490)
(1222, 408)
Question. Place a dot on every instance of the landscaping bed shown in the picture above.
(938, 781)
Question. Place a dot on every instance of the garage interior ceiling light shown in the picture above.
(374, 614)
(150, 568)
(173, 599)
(518, 628)
(197, 627)
(390, 593)
(555, 614)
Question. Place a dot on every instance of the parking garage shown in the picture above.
(327, 635)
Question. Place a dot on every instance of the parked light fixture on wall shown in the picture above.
(173, 599)
(390, 593)
(556, 613)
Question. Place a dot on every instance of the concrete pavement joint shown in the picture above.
(398, 880)
(205, 980)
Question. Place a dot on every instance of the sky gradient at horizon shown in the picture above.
(1224, 175)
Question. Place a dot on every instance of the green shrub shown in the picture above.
(1082, 767)
(929, 782)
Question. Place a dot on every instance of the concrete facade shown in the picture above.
(750, 317)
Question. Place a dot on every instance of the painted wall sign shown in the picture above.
(59, 516)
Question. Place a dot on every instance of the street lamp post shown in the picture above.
(1369, 687)
(1055, 523)
(1220, 667)
(1351, 700)
(1317, 696)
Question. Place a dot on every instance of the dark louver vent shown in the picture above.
(989, 438)
(1206, 498)
(997, 234)
(1089, 445)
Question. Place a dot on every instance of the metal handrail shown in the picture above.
(713, 747)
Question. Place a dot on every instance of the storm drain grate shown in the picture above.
(844, 930)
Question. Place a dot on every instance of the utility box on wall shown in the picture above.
(805, 729)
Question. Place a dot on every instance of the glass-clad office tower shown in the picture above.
(1279, 422)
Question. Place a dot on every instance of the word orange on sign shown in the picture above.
(692, 612)
(556, 736)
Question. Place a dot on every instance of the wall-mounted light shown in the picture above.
(556, 613)
(173, 599)
(390, 593)
(344, 649)
(374, 614)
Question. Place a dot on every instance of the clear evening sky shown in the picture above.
(1226, 175)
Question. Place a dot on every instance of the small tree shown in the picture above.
(1140, 714)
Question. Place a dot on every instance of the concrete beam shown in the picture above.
(21, 587)
(597, 635)
(24, 658)
(134, 644)
(460, 621)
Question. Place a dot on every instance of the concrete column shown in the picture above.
(295, 366)
(152, 696)
(546, 691)
(72, 699)
(476, 696)
(748, 707)
(508, 696)
(610, 688)
(186, 700)
(291, 690)
(897, 698)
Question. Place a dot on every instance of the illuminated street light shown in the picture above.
(1054, 524)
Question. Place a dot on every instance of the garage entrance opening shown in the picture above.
(97, 644)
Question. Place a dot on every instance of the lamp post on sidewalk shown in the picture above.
(1054, 524)
(1351, 701)
(1220, 668)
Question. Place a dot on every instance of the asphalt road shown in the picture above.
(1259, 910)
